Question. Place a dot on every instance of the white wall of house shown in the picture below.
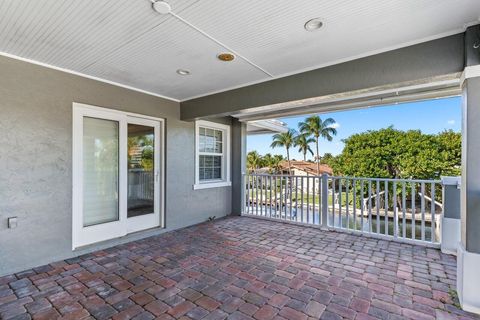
(310, 185)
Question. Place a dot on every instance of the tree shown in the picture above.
(391, 153)
(275, 164)
(287, 140)
(253, 161)
(272, 162)
(314, 126)
(303, 141)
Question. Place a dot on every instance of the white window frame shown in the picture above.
(225, 182)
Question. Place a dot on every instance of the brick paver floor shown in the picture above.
(240, 268)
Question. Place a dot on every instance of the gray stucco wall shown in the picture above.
(470, 188)
(36, 162)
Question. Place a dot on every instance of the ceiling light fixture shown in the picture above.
(161, 7)
(226, 57)
(183, 72)
(313, 24)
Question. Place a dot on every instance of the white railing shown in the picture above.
(403, 209)
(140, 185)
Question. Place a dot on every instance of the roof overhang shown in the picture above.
(266, 127)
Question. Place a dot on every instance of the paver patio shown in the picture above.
(241, 268)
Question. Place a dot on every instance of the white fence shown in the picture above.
(404, 209)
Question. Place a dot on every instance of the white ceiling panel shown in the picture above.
(173, 46)
(126, 42)
(75, 34)
(272, 34)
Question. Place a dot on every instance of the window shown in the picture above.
(212, 155)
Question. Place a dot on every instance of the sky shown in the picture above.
(431, 116)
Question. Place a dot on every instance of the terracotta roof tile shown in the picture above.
(309, 167)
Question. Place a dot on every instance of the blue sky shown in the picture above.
(431, 116)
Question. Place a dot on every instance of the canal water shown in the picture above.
(312, 217)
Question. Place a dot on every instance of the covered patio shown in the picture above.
(241, 268)
(123, 184)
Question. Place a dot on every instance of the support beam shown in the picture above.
(472, 43)
(430, 59)
(468, 277)
(239, 156)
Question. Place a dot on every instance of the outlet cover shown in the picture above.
(12, 222)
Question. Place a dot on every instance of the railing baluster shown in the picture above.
(333, 202)
(433, 228)
(256, 195)
(262, 207)
(413, 210)
(361, 203)
(422, 206)
(354, 189)
(386, 208)
(347, 183)
(296, 198)
(377, 199)
(247, 176)
(308, 199)
(282, 196)
(340, 187)
(395, 216)
(291, 195)
(313, 199)
(276, 199)
(370, 227)
(270, 196)
(404, 210)
(301, 191)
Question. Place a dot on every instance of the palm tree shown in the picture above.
(253, 160)
(314, 126)
(275, 164)
(303, 141)
(287, 140)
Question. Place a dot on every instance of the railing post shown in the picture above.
(324, 200)
(450, 224)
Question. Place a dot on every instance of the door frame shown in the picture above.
(82, 236)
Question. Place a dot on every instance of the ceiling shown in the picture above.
(126, 42)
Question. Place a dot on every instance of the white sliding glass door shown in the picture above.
(117, 176)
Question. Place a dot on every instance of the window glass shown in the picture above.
(100, 171)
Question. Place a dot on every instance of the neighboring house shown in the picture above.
(306, 169)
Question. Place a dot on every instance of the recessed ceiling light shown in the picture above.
(183, 72)
(161, 7)
(225, 56)
(313, 24)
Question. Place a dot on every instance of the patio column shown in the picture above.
(450, 224)
(239, 156)
(468, 256)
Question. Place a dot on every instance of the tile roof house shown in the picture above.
(305, 167)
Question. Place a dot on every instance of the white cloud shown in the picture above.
(336, 125)
(451, 122)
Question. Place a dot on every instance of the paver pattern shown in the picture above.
(241, 268)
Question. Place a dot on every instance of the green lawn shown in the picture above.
(265, 195)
